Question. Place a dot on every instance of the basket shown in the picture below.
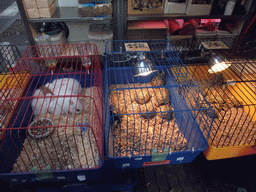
(73, 147)
(149, 119)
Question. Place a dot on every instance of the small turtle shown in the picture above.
(165, 112)
(141, 96)
(158, 79)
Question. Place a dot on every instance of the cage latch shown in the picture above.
(159, 156)
(44, 174)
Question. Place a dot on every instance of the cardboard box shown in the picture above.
(199, 9)
(30, 4)
(133, 11)
(44, 3)
(33, 13)
(174, 8)
(48, 12)
(146, 30)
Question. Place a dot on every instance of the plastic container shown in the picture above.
(99, 35)
(43, 39)
(58, 38)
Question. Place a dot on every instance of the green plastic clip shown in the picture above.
(43, 175)
(159, 156)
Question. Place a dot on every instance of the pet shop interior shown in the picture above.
(128, 95)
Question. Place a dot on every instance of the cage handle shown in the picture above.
(127, 57)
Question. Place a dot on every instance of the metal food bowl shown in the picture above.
(38, 132)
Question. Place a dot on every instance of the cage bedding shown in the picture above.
(146, 121)
(71, 145)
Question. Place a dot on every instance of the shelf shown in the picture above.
(160, 17)
(68, 14)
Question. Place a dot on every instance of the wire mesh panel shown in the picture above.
(57, 125)
(149, 118)
(231, 93)
(9, 87)
(228, 39)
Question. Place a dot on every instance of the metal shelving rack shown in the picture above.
(119, 18)
(68, 14)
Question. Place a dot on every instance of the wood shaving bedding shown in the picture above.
(234, 127)
(145, 129)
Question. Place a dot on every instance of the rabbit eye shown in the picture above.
(78, 110)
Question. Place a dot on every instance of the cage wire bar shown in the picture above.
(190, 49)
(151, 115)
(57, 124)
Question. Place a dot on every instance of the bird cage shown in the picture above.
(55, 133)
(231, 93)
(10, 84)
(149, 118)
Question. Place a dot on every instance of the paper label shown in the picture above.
(126, 165)
(81, 177)
(164, 162)
(139, 46)
(180, 158)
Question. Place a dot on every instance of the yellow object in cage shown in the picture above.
(13, 81)
(11, 86)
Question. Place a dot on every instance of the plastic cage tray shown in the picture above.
(149, 119)
(231, 93)
(62, 143)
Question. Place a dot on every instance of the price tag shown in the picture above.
(126, 165)
(165, 162)
(81, 177)
(98, 18)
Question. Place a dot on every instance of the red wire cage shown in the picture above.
(57, 122)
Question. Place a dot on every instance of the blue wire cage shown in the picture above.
(154, 111)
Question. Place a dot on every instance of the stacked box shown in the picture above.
(196, 7)
(40, 8)
(145, 7)
(175, 7)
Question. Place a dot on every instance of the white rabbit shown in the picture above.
(41, 105)
(58, 104)
(65, 84)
